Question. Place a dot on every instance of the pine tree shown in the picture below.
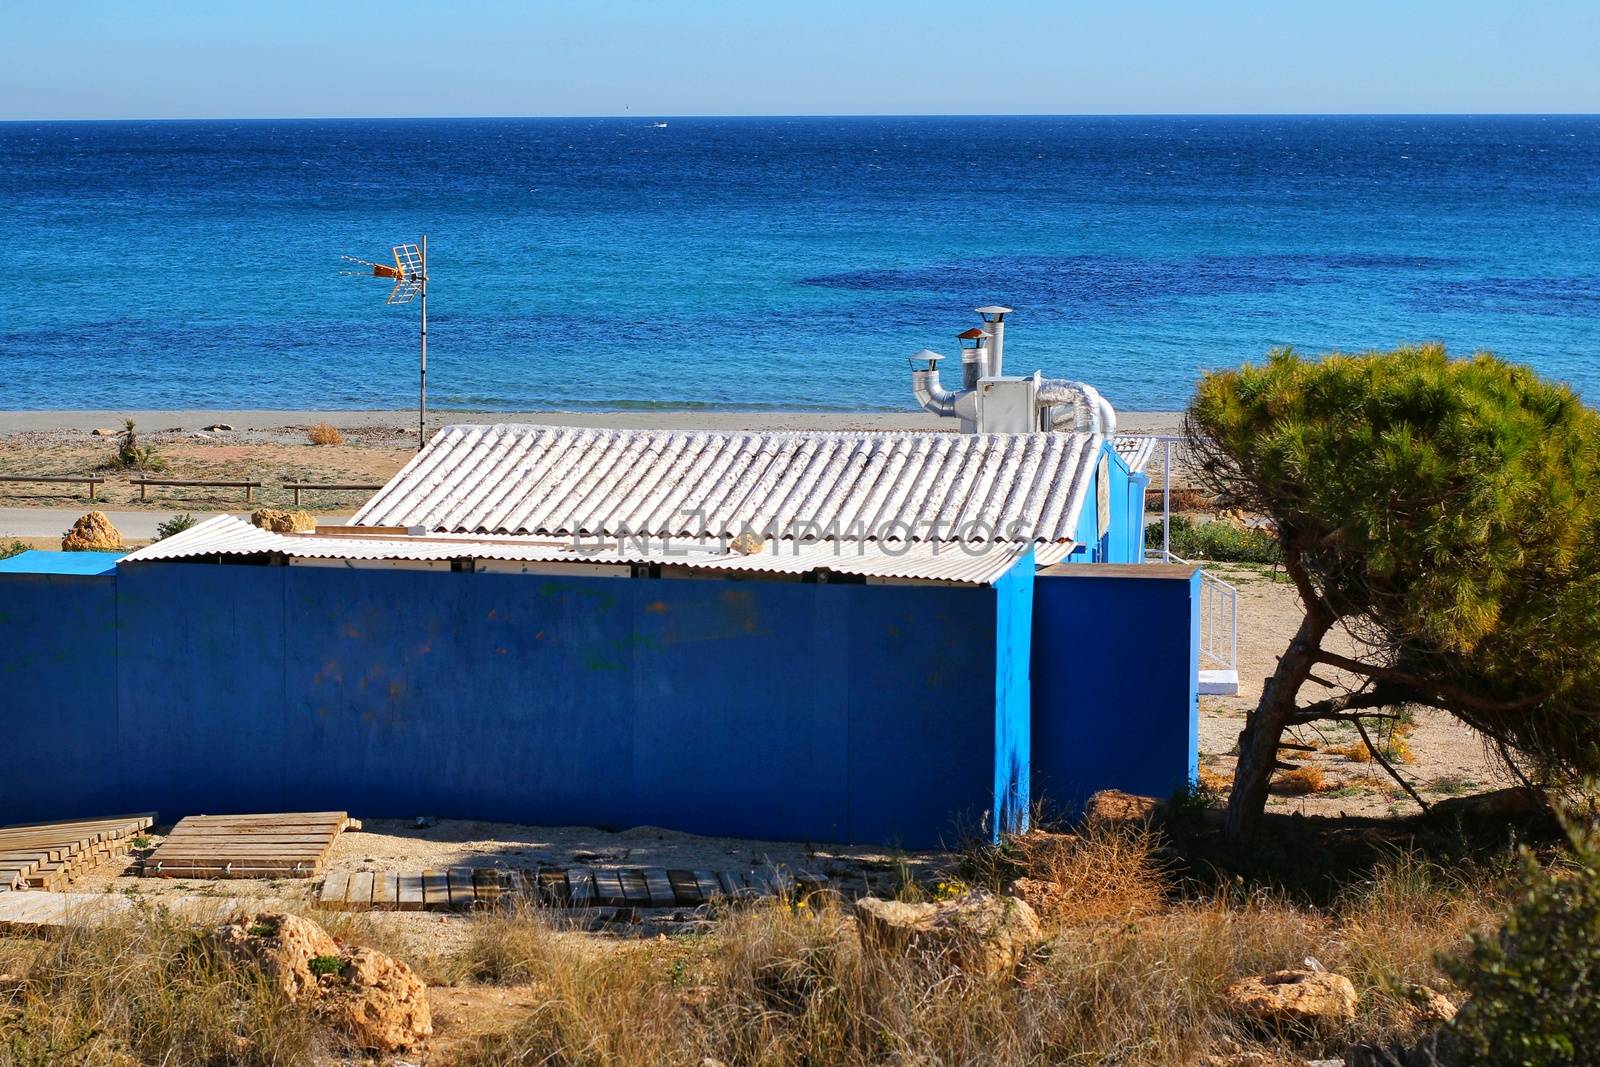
(1444, 512)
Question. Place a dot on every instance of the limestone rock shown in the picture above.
(980, 933)
(92, 533)
(218, 426)
(380, 1001)
(282, 946)
(1113, 807)
(1305, 1000)
(282, 520)
(1430, 1006)
(103, 432)
(892, 924)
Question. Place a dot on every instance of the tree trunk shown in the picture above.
(1263, 730)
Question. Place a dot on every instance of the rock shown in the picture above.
(1496, 804)
(282, 946)
(218, 426)
(1429, 1005)
(282, 520)
(102, 432)
(1304, 1000)
(892, 925)
(92, 533)
(979, 933)
(1239, 1059)
(1113, 807)
(380, 1001)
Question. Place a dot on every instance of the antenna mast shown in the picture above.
(410, 277)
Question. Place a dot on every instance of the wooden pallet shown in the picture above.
(461, 888)
(51, 855)
(291, 845)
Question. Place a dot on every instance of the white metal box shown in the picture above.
(1007, 405)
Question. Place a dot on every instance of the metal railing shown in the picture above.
(1219, 601)
(1219, 615)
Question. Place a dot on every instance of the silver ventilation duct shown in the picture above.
(990, 402)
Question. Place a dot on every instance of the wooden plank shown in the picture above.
(385, 891)
(552, 885)
(335, 888)
(709, 887)
(462, 893)
(435, 890)
(409, 888)
(660, 887)
(360, 897)
(685, 891)
(634, 888)
(608, 889)
(580, 887)
(731, 886)
(489, 884)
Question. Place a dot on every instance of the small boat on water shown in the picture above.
(661, 125)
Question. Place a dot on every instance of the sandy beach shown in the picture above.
(292, 423)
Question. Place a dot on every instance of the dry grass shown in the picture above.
(1131, 972)
(1299, 781)
(146, 989)
(324, 433)
(785, 985)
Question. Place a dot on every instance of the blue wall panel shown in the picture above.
(820, 712)
(1115, 681)
(199, 679)
(58, 695)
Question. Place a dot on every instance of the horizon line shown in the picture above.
(643, 115)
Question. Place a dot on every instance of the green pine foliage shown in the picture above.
(1448, 508)
(1532, 997)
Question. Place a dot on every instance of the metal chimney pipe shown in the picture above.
(994, 318)
(974, 356)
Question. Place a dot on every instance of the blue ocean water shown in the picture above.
(782, 263)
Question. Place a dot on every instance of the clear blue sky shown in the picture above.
(227, 58)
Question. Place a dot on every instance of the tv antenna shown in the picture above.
(410, 276)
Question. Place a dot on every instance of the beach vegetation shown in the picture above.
(1215, 542)
(175, 525)
(1444, 514)
(131, 455)
(13, 548)
(1531, 984)
(324, 433)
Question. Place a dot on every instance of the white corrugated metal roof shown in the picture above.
(1135, 450)
(564, 481)
(975, 563)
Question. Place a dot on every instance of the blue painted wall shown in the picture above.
(1115, 681)
(58, 650)
(1123, 541)
(807, 712)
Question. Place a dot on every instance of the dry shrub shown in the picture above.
(324, 433)
(1356, 752)
(1214, 783)
(1299, 781)
(145, 988)
(1098, 872)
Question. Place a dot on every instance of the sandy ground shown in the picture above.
(1447, 758)
(271, 447)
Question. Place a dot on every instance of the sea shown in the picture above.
(774, 263)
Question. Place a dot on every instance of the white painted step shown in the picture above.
(1219, 683)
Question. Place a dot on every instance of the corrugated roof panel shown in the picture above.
(225, 535)
(552, 481)
(1135, 450)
